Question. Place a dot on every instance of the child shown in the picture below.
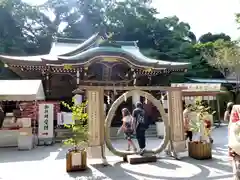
(128, 128)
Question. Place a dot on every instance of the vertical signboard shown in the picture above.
(45, 121)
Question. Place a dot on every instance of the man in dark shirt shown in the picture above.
(139, 117)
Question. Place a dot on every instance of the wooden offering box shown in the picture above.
(200, 150)
(76, 161)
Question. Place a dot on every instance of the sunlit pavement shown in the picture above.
(49, 163)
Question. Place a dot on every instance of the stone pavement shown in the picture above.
(49, 163)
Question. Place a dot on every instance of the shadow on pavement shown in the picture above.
(62, 152)
(88, 175)
(36, 154)
(206, 165)
(165, 168)
(104, 173)
(114, 171)
(117, 171)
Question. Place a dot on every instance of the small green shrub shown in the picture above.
(79, 126)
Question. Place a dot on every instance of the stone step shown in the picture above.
(62, 134)
(137, 159)
(151, 132)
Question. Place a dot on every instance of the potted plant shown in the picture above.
(201, 124)
(76, 157)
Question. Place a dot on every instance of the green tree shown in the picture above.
(209, 37)
(22, 31)
(30, 30)
(225, 57)
(199, 65)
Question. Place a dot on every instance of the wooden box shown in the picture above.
(76, 161)
(200, 151)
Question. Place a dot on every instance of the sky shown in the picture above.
(215, 16)
(203, 16)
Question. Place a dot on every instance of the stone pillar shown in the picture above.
(96, 122)
(175, 115)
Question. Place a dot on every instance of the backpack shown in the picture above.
(141, 119)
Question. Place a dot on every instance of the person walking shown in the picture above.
(186, 122)
(233, 116)
(2, 116)
(228, 111)
(128, 128)
(141, 125)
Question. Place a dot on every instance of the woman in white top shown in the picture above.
(128, 127)
(232, 115)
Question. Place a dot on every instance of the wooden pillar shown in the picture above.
(47, 82)
(96, 122)
(218, 110)
(175, 115)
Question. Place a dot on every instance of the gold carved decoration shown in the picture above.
(110, 59)
(148, 70)
(67, 67)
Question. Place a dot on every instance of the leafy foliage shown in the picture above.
(224, 55)
(201, 123)
(29, 30)
(209, 37)
(79, 126)
(201, 107)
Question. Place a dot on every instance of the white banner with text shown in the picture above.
(45, 121)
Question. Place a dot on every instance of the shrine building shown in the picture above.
(98, 60)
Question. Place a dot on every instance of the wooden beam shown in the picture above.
(106, 82)
(201, 93)
(127, 88)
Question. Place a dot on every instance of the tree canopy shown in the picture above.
(28, 30)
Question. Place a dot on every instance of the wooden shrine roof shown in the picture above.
(89, 50)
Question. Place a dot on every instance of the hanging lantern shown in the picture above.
(146, 100)
(125, 97)
(108, 99)
(115, 92)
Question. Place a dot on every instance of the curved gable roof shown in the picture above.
(68, 49)
(133, 55)
(87, 51)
